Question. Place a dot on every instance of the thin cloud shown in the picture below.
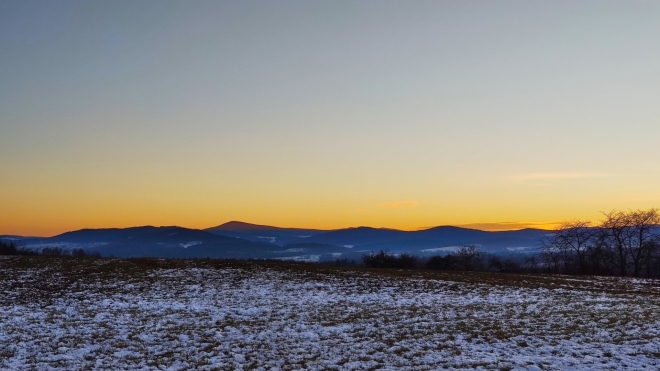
(398, 204)
(557, 176)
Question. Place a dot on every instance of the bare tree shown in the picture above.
(601, 258)
(531, 264)
(573, 240)
(551, 256)
(633, 236)
(617, 225)
(469, 257)
(495, 263)
(645, 223)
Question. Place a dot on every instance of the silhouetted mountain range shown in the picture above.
(244, 240)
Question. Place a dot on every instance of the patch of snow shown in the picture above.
(272, 239)
(446, 249)
(289, 250)
(302, 258)
(520, 248)
(269, 318)
(191, 243)
(63, 245)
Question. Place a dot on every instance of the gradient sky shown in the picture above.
(326, 114)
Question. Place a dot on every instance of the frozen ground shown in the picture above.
(116, 314)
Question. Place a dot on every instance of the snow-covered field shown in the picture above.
(117, 314)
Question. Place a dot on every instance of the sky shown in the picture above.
(395, 114)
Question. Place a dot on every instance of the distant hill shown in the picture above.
(8, 237)
(243, 240)
(236, 226)
(166, 242)
(434, 240)
(263, 233)
(431, 240)
(359, 236)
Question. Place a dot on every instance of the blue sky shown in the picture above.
(316, 114)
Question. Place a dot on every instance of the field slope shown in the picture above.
(214, 315)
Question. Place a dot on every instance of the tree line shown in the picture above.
(11, 248)
(624, 243)
(466, 258)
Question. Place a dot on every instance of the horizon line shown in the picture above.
(484, 227)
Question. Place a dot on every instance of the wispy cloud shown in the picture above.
(557, 176)
(398, 204)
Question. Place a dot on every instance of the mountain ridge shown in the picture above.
(238, 226)
(242, 240)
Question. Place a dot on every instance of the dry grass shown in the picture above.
(211, 314)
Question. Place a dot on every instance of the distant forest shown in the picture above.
(467, 258)
(11, 248)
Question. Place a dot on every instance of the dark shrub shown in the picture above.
(384, 259)
(446, 262)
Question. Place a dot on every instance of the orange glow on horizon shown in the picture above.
(56, 227)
